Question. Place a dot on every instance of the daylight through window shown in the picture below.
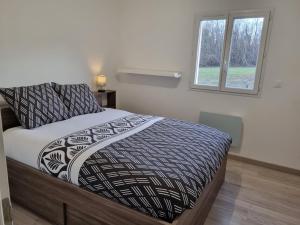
(230, 52)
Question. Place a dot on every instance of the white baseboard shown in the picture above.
(5, 211)
(1, 211)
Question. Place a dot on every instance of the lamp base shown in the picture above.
(101, 90)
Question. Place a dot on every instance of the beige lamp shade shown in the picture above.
(101, 80)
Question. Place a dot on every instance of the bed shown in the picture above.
(115, 167)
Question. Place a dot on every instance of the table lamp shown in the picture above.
(101, 82)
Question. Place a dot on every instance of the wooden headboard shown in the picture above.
(9, 120)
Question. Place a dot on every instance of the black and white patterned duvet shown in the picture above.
(160, 170)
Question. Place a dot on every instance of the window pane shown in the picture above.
(244, 52)
(210, 52)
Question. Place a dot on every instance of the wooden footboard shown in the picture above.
(65, 204)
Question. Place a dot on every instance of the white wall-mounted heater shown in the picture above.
(232, 125)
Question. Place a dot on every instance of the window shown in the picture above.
(230, 52)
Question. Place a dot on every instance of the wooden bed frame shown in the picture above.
(62, 203)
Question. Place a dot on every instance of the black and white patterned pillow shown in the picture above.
(78, 98)
(35, 105)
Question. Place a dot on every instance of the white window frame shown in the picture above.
(266, 14)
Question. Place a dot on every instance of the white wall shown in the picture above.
(158, 34)
(56, 40)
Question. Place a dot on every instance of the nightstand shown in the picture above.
(106, 98)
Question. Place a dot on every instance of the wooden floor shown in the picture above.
(251, 195)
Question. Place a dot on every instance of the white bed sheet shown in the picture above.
(25, 145)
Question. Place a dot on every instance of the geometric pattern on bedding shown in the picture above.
(78, 98)
(58, 157)
(160, 171)
(35, 105)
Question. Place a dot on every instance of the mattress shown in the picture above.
(158, 166)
